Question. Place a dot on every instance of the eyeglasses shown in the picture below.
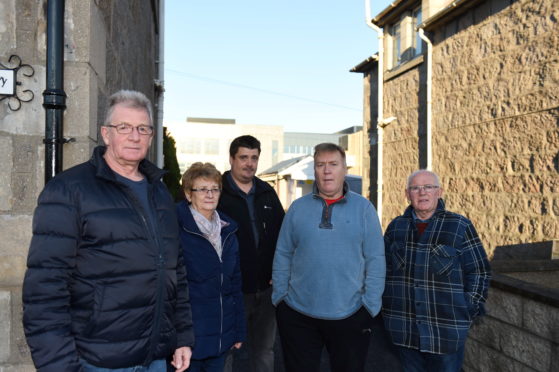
(125, 128)
(426, 188)
(207, 191)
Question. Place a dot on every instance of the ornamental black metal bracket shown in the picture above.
(9, 82)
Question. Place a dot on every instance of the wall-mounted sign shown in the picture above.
(7, 82)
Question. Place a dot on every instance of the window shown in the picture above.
(405, 43)
(192, 146)
(417, 42)
(211, 146)
(275, 153)
(396, 45)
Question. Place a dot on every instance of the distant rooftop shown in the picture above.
(283, 165)
(210, 120)
(354, 129)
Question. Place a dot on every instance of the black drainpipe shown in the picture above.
(54, 97)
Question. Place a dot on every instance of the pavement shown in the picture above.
(381, 356)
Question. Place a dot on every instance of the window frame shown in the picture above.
(416, 21)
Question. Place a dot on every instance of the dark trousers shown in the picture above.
(261, 332)
(208, 365)
(303, 338)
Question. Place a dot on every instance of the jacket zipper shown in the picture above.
(159, 266)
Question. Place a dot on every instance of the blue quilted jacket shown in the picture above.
(214, 286)
(101, 285)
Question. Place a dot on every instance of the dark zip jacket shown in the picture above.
(100, 285)
(214, 285)
(256, 262)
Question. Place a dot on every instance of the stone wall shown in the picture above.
(403, 138)
(109, 45)
(521, 329)
(368, 175)
(495, 120)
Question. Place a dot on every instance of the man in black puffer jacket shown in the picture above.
(105, 285)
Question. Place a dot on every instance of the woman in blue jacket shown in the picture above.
(211, 256)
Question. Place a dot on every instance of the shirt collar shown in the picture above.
(417, 219)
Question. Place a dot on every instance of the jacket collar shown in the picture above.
(186, 219)
(146, 167)
(259, 185)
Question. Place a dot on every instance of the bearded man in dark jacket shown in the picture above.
(106, 285)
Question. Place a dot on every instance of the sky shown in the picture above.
(282, 62)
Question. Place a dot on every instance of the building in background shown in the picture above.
(492, 133)
(108, 45)
(293, 177)
(478, 103)
(208, 140)
(351, 139)
(297, 144)
(289, 171)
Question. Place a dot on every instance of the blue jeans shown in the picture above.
(155, 366)
(417, 361)
(208, 365)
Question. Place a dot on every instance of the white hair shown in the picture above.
(422, 171)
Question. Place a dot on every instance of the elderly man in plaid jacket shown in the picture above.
(437, 275)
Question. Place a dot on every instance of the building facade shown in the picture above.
(297, 144)
(108, 45)
(208, 140)
(294, 176)
(489, 125)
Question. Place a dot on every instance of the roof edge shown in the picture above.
(392, 11)
(365, 65)
(446, 14)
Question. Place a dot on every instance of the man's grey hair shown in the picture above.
(421, 171)
(130, 99)
(329, 147)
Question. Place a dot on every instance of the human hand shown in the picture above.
(237, 345)
(181, 358)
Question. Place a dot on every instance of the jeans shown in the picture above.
(417, 361)
(155, 366)
(261, 332)
(208, 365)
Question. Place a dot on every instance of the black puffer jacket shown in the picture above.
(99, 285)
(256, 262)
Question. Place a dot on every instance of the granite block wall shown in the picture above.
(495, 120)
(109, 45)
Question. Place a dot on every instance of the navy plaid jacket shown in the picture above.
(436, 283)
